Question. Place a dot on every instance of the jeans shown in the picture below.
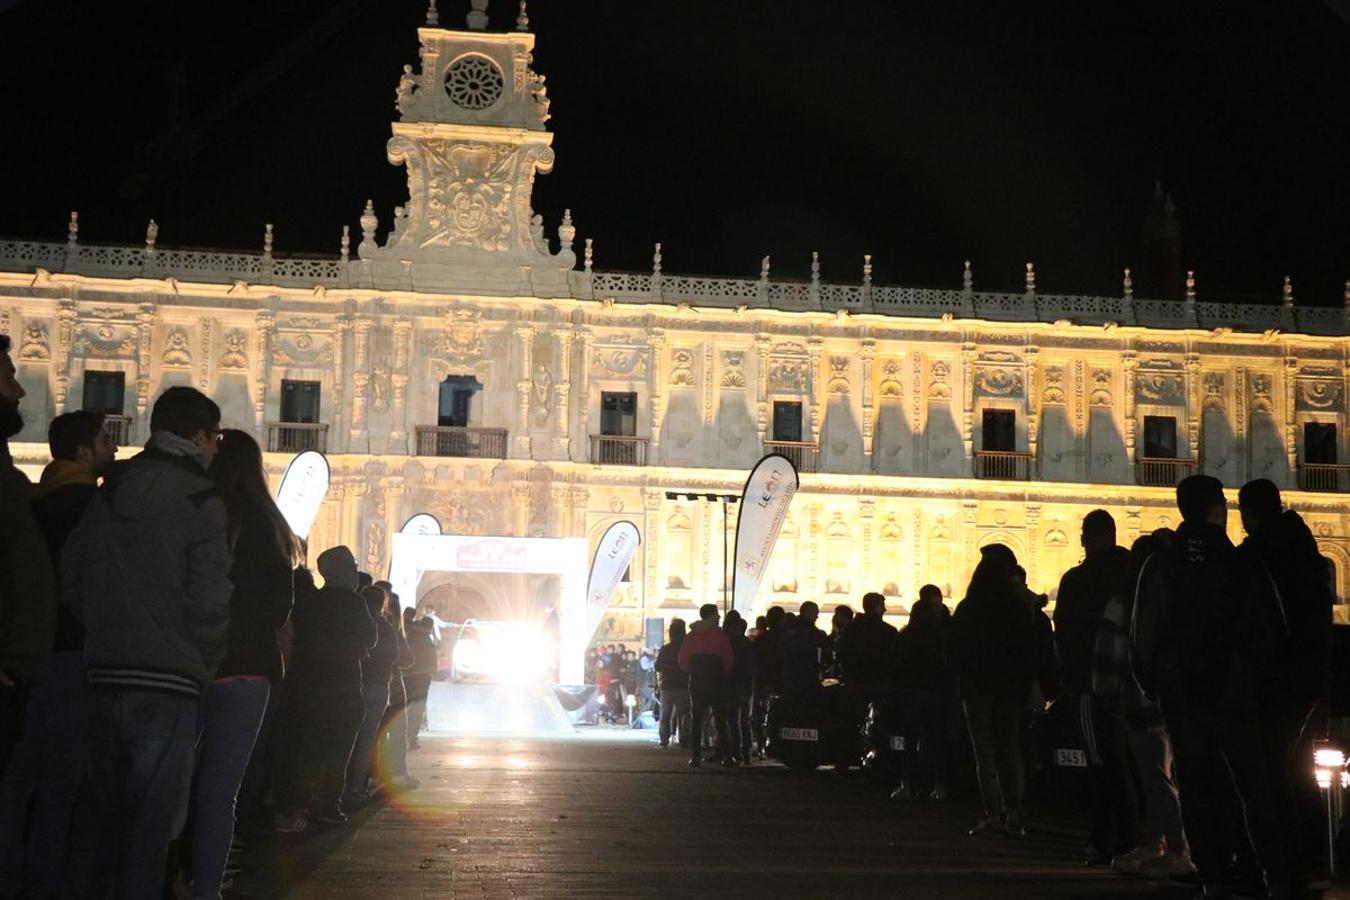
(358, 770)
(739, 710)
(231, 714)
(1216, 752)
(702, 700)
(45, 772)
(135, 798)
(994, 724)
(391, 751)
(1297, 800)
(928, 743)
(1115, 800)
(1152, 750)
(674, 714)
(321, 727)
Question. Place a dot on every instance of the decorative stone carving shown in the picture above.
(379, 386)
(625, 362)
(107, 341)
(890, 529)
(682, 367)
(679, 521)
(35, 342)
(787, 375)
(1101, 388)
(1056, 537)
(1320, 394)
(838, 381)
(543, 394)
(1160, 387)
(177, 354)
(302, 350)
(375, 541)
(462, 335)
(1000, 517)
(940, 531)
(1054, 385)
(838, 528)
(999, 382)
(235, 356)
(1261, 398)
(938, 386)
(890, 387)
(733, 368)
(1214, 392)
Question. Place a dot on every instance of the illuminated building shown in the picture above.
(460, 361)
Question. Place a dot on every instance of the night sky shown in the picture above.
(921, 132)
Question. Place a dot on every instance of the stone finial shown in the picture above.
(815, 269)
(566, 232)
(656, 261)
(267, 241)
(346, 251)
(477, 18)
(589, 254)
(433, 15)
(151, 235)
(967, 278)
(523, 19)
(1128, 285)
(867, 270)
(369, 222)
(1190, 285)
(1287, 292)
(764, 270)
(1031, 278)
(73, 229)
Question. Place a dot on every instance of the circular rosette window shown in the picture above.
(473, 82)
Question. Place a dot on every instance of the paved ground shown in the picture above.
(607, 815)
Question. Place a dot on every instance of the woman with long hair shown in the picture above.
(265, 554)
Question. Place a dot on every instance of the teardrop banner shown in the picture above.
(612, 556)
(764, 505)
(422, 523)
(302, 491)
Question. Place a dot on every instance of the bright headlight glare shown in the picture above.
(1329, 758)
(1324, 778)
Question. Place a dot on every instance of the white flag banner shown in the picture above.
(764, 505)
(302, 491)
(612, 556)
(422, 523)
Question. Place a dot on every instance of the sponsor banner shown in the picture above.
(612, 556)
(422, 523)
(764, 505)
(302, 491)
(492, 556)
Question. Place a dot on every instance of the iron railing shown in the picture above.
(1004, 465)
(1325, 477)
(1159, 472)
(118, 428)
(295, 437)
(618, 450)
(476, 443)
(805, 455)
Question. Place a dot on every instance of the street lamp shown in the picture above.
(726, 500)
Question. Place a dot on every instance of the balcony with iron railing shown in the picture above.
(805, 455)
(1324, 477)
(118, 428)
(296, 437)
(618, 450)
(474, 443)
(1162, 472)
(1004, 465)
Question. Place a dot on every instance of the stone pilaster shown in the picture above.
(1130, 364)
(1194, 409)
(399, 378)
(562, 396)
(584, 338)
(868, 355)
(815, 388)
(264, 327)
(360, 430)
(1033, 406)
(66, 318)
(762, 386)
(342, 326)
(1291, 416)
(652, 498)
(968, 355)
(656, 385)
(524, 338)
(1033, 544)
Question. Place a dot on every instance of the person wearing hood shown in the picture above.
(1204, 631)
(1084, 592)
(324, 705)
(925, 674)
(46, 767)
(674, 685)
(146, 574)
(1280, 546)
(707, 656)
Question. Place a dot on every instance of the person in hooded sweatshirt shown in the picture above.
(1282, 548)
(375, 672)
(925, 673)
(45, 770)
(707, 656)
(994, 645)
(146, 574)
(265, 554)
(1205, 629)
(1084, 592)
(325, 705)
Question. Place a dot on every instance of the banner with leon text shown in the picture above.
(612, 556)
(302, 490)
(764, 505)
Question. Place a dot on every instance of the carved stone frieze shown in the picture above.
(890, 529)
(733, 368)
(1160, 387)
(1320, 393)
(1101, 388)
(939, 388)
(788, 374)
(624, 362)
(1215, 392)
(1261, 400)
(461, 337)
(236, 351)
(302, 349)
(999, 382)
(838, 382)
(682, 367)
(36, 345)
(890, 387)
(1054, 385)
(107, 341)
(177, 349)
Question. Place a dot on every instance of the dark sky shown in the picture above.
(922, 132)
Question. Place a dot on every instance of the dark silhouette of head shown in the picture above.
(996, 561)
(930, 593)
(873, 604)
(708, 613)
(677, 630)
(841, 617)
(1259, 504)
(775, 616)
(1200, 499)
(808, 612)
(1099, 531)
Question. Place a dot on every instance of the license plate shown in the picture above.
(799, 734)
(897, 742)
(1074, 759)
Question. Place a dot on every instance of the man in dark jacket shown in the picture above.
(1084, 592)
(674, 684)
(740, 696)
(768, 671)
(376, 669)
(867, 651)
(803, 652)
(1203, 634)
(1281, 548)
(926, 675)
(27, 586)
(323, 705)
(706, 655)
(46, 767)
(147, 575)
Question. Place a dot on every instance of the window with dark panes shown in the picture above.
(1160, 437)
(618, 413)
(999, 431)
(456, 400)
(787, 420)
(104, 392)
(300, 402)
(1319, 443)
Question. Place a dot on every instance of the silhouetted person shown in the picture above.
(768, 671)
(1280, 545)
(994, 643)
(927, 679)
(740, 695)
(1203, 633)
(674, 684)
(867, 650)
(706, 655)
(1084, 592)
(803, 652)
(840, 619)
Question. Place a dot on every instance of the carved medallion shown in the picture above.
(1261, 400)
(176, 352)
(682, 367)
(999, 382)
(35, 342)
(1054, 385)
(1101, 388)
(938, 388)
(234, 356)
(1214, 392)
(890, 379)
(733, 373)
(838, 382)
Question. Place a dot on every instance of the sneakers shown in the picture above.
(986, 827)
(1165, 866)
(902, 792)
(1131, 863)
(1014, 827)
(291, 824)
(730, 762)
(329, 817)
